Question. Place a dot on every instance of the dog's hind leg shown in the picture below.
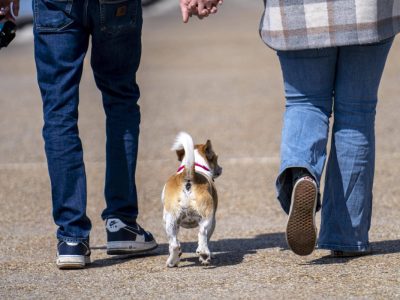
(211, 233)
(206, 228)
(172, 229)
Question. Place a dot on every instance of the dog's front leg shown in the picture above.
(172, 229)
(205, 231)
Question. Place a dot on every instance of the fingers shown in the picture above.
(192, 6)
(200, 8)
(185, 13)
(185, 10)
(209, 5)
(214, 10)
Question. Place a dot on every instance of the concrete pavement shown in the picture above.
(214, 79)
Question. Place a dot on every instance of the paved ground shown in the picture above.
(215, 80)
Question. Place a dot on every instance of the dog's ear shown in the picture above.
(208, 150)
(180, 153)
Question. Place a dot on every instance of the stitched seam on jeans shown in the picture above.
(48, 28)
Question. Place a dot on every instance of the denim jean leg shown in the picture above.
(116, 56)
(60, 47)
(347, 204)
(308, 79)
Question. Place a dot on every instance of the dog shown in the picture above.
(190, 198)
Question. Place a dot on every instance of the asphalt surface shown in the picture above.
(214, 79)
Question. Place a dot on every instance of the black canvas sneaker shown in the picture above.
(127, 239)
(72, 255)
(349, 254)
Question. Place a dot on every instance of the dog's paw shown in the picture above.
(204, 256)
(170, 265)
(205, 259)
(172, 261)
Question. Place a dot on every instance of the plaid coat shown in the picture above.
(304, 24)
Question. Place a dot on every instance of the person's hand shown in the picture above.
(9, 9)
(203, 8)
(200, 8)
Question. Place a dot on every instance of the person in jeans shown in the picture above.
(332, 55)
(61, 34)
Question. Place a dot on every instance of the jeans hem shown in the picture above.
(283, 193)
(72, 239)
(286, 166)
(357, 248)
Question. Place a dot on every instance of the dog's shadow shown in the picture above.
(226, 252)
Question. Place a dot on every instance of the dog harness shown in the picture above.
(181, 168)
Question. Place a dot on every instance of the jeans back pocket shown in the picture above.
(119, 16)
(52, 15)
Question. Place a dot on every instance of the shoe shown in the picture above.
(126, 239)
(344, 254)
(73, 255)
(301, 232)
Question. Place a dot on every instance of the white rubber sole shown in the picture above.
(72, 261)
(129, 247)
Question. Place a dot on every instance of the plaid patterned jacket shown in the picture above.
(304, 24)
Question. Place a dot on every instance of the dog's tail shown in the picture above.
(184, 142)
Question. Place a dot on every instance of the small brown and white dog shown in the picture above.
(190, 198)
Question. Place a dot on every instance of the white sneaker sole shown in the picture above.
(72, 261)
(130, 247)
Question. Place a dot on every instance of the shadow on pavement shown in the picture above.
(226, 252)
(118, 259)
(378, 248)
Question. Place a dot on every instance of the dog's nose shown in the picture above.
(219, 171)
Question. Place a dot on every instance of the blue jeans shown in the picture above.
(345, 81)
(62, 29)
